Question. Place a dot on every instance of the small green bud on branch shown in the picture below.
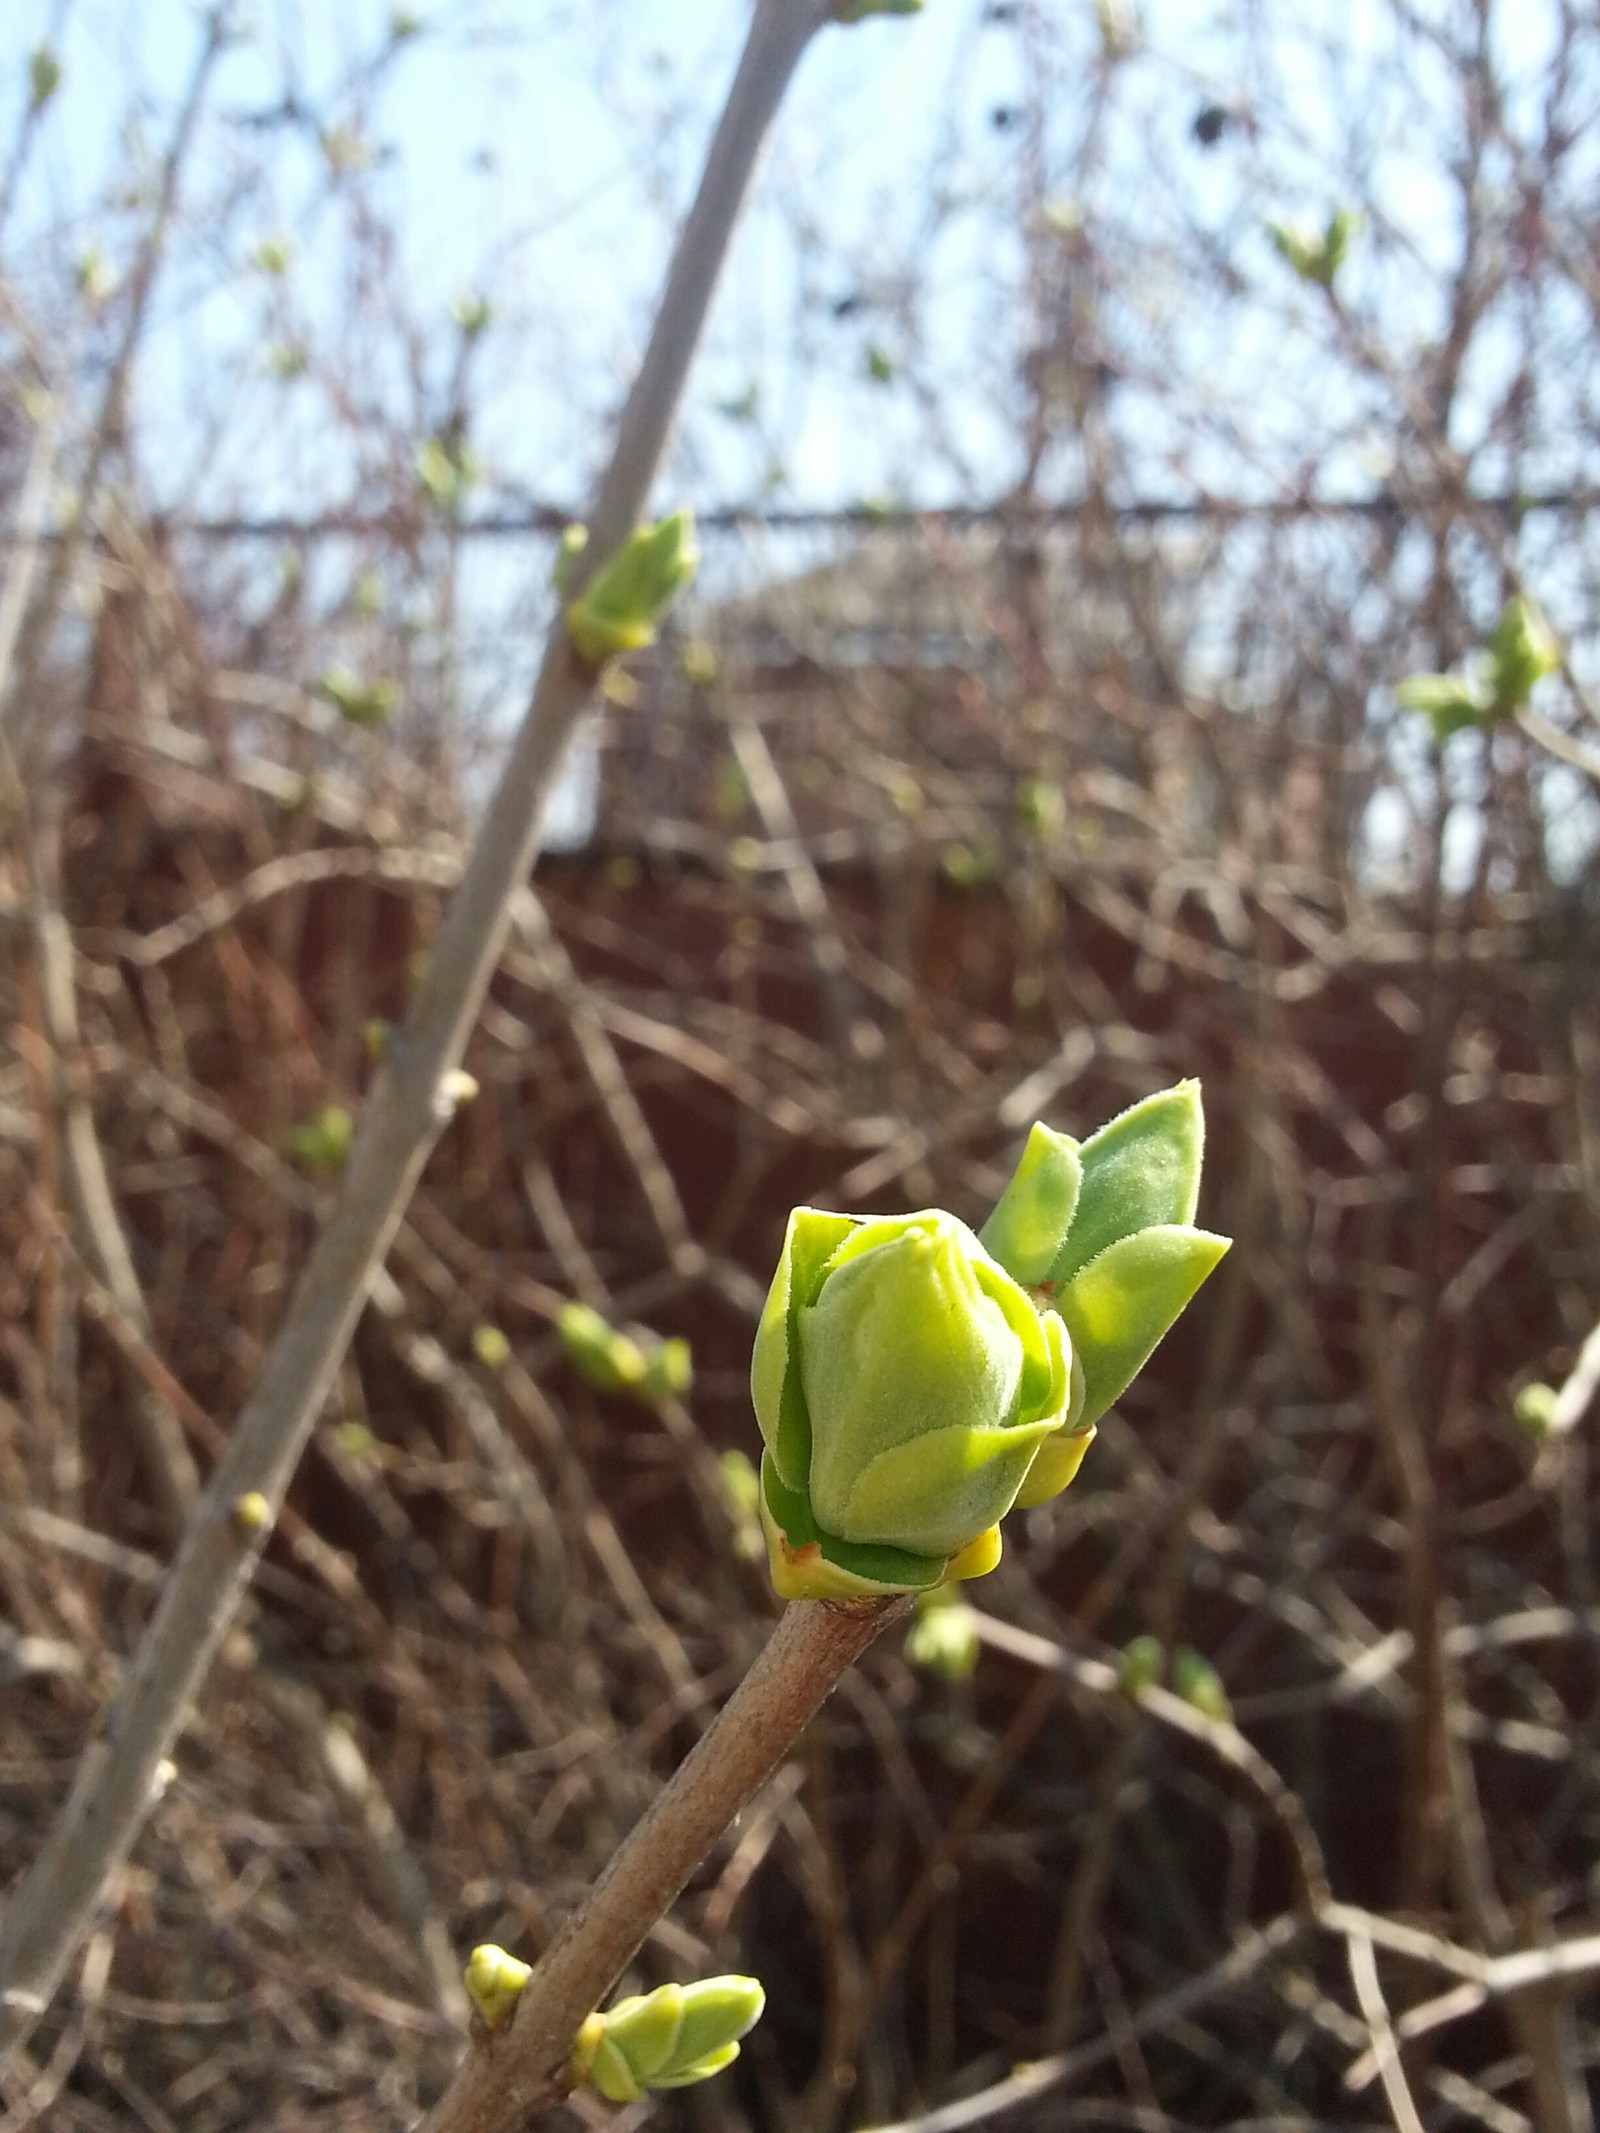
(1197, 1681)
(612, 1361)
(1517, 654)
(943, 1635)
(1316, 256)
(666, 2039)
(471, 314)
(741, 1493)
(447, 469)
(321, 1145)
(1144, 1661)
(491, 1347)
(574, 540)
(494, 1980)
(1535, 1407)
(361, 703)
(622, 604)
(1522, 649)
(1450, 702)
(44, 77)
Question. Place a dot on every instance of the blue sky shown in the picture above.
(538, 153)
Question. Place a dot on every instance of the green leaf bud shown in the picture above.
(471, 314)
(1317, 255)
(669, 1371)
(586, 1337)
(741, 1484)
(94, 275)
(1522, 649)
(943, 1636)
(613, 1361)
(251, 1512)
(1027, 1231)
(608, 1359)
(1197, 1681)
(1143, 1661)
(361, 703)
(1343, 224)
(321, 1144)
(1450, 702)
(491, 1347)
(619, 608)
(446, 470)
(44, 77)
(717, 2012)
(1297, 245)
(965, 866)
(1109, 1223)
(494, 1980)
(272, 256)
(574, 540)
(904, 1383)
(1041, 807)
(741, 1493)
(1535, 1408)
(698, 663)
(913, 1382)
(666, 2039)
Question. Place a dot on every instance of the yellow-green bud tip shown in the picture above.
(1535, 1408)
(491, 1347)
(494, 1980)
(252, 1512)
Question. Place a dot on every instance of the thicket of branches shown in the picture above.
(924, 823)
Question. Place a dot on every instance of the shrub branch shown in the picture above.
(509, 2073)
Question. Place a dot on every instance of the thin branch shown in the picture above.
(509, 2074)
(1030, 2082)
(1385, 2050)
(1495, 1976)
(1579, 1386)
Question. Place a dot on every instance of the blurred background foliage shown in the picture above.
(1106, 410)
